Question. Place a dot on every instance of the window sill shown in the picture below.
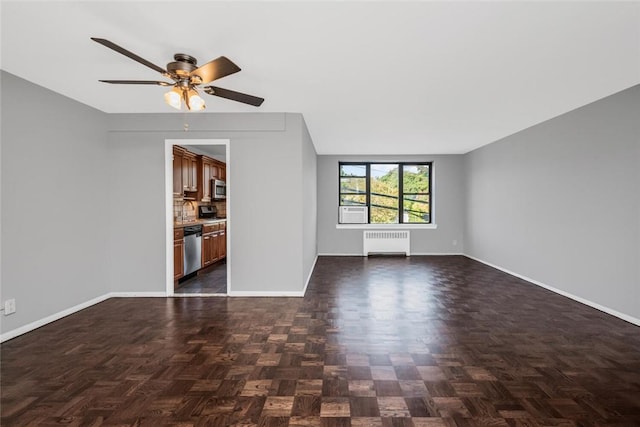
(386, 226)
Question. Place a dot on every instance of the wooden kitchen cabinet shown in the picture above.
(214, 170)
(220, 242)
(205, 174)
(186, 164)
(177, 170)
(209, 228)
(178, 253)
(208, 250)
(223, 244)
(214, 243)
(189, 171)
(194, 174)
(216, 246)
(206, 181)
(219, 170)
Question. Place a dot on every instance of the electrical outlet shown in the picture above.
(455, 242)
(9, 306)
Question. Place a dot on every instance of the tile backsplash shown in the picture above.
(221, 207)
(184, 210)
(187, 210)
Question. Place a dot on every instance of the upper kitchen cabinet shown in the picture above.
(219, 170)
(214, 169)
(178, 190)
(189, 171)
(193, 173)
(205, 174)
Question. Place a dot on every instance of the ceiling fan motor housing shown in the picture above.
(183, 66)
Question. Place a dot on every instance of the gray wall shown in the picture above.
(136, 191)
(76, 181)
(54, 202)
(266, 198)
(309, 203)
(560, 203)
(448, 205)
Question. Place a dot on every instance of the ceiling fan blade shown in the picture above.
(233, 95)
(213, 70)
(129, 54)
(137, 82)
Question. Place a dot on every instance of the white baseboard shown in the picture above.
(411, 254)
(359, 254)
(190, 295)
(266, 294)
(137, 295)
(306, 284)
(436, 253)
(581, 300)
(56, 316)
(277, 293)
(64, 313)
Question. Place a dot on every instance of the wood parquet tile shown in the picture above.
(380, 342)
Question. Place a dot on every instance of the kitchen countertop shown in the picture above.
(199, 221)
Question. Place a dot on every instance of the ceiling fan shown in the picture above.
(187, 77)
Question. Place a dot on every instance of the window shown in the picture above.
(395, 193)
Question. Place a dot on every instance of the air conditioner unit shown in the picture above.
(353, 214)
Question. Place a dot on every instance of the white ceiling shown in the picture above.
(380, 77)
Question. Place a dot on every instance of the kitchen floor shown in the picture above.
(212, 280)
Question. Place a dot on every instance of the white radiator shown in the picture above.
(386, 242)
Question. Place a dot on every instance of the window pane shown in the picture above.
(379, 170)
(353, 185)
(384, 193)
(382, 215)
(353, 199)
(415, 178)
(416, 208)
(353, 170)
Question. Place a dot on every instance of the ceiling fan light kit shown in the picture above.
(186, 76)
(174, 98)
(193, 100)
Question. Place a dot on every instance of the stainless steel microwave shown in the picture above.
(218, 189)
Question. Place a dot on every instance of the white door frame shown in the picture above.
(168, 184)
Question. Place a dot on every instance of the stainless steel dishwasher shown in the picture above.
(192, 248)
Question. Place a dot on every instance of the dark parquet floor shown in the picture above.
(384, 342)
(212, 280)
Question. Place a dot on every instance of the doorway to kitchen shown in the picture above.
(198, 220)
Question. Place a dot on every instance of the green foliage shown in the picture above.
(415, 182)
(384, 198)
(416, 187)
(385, 194)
